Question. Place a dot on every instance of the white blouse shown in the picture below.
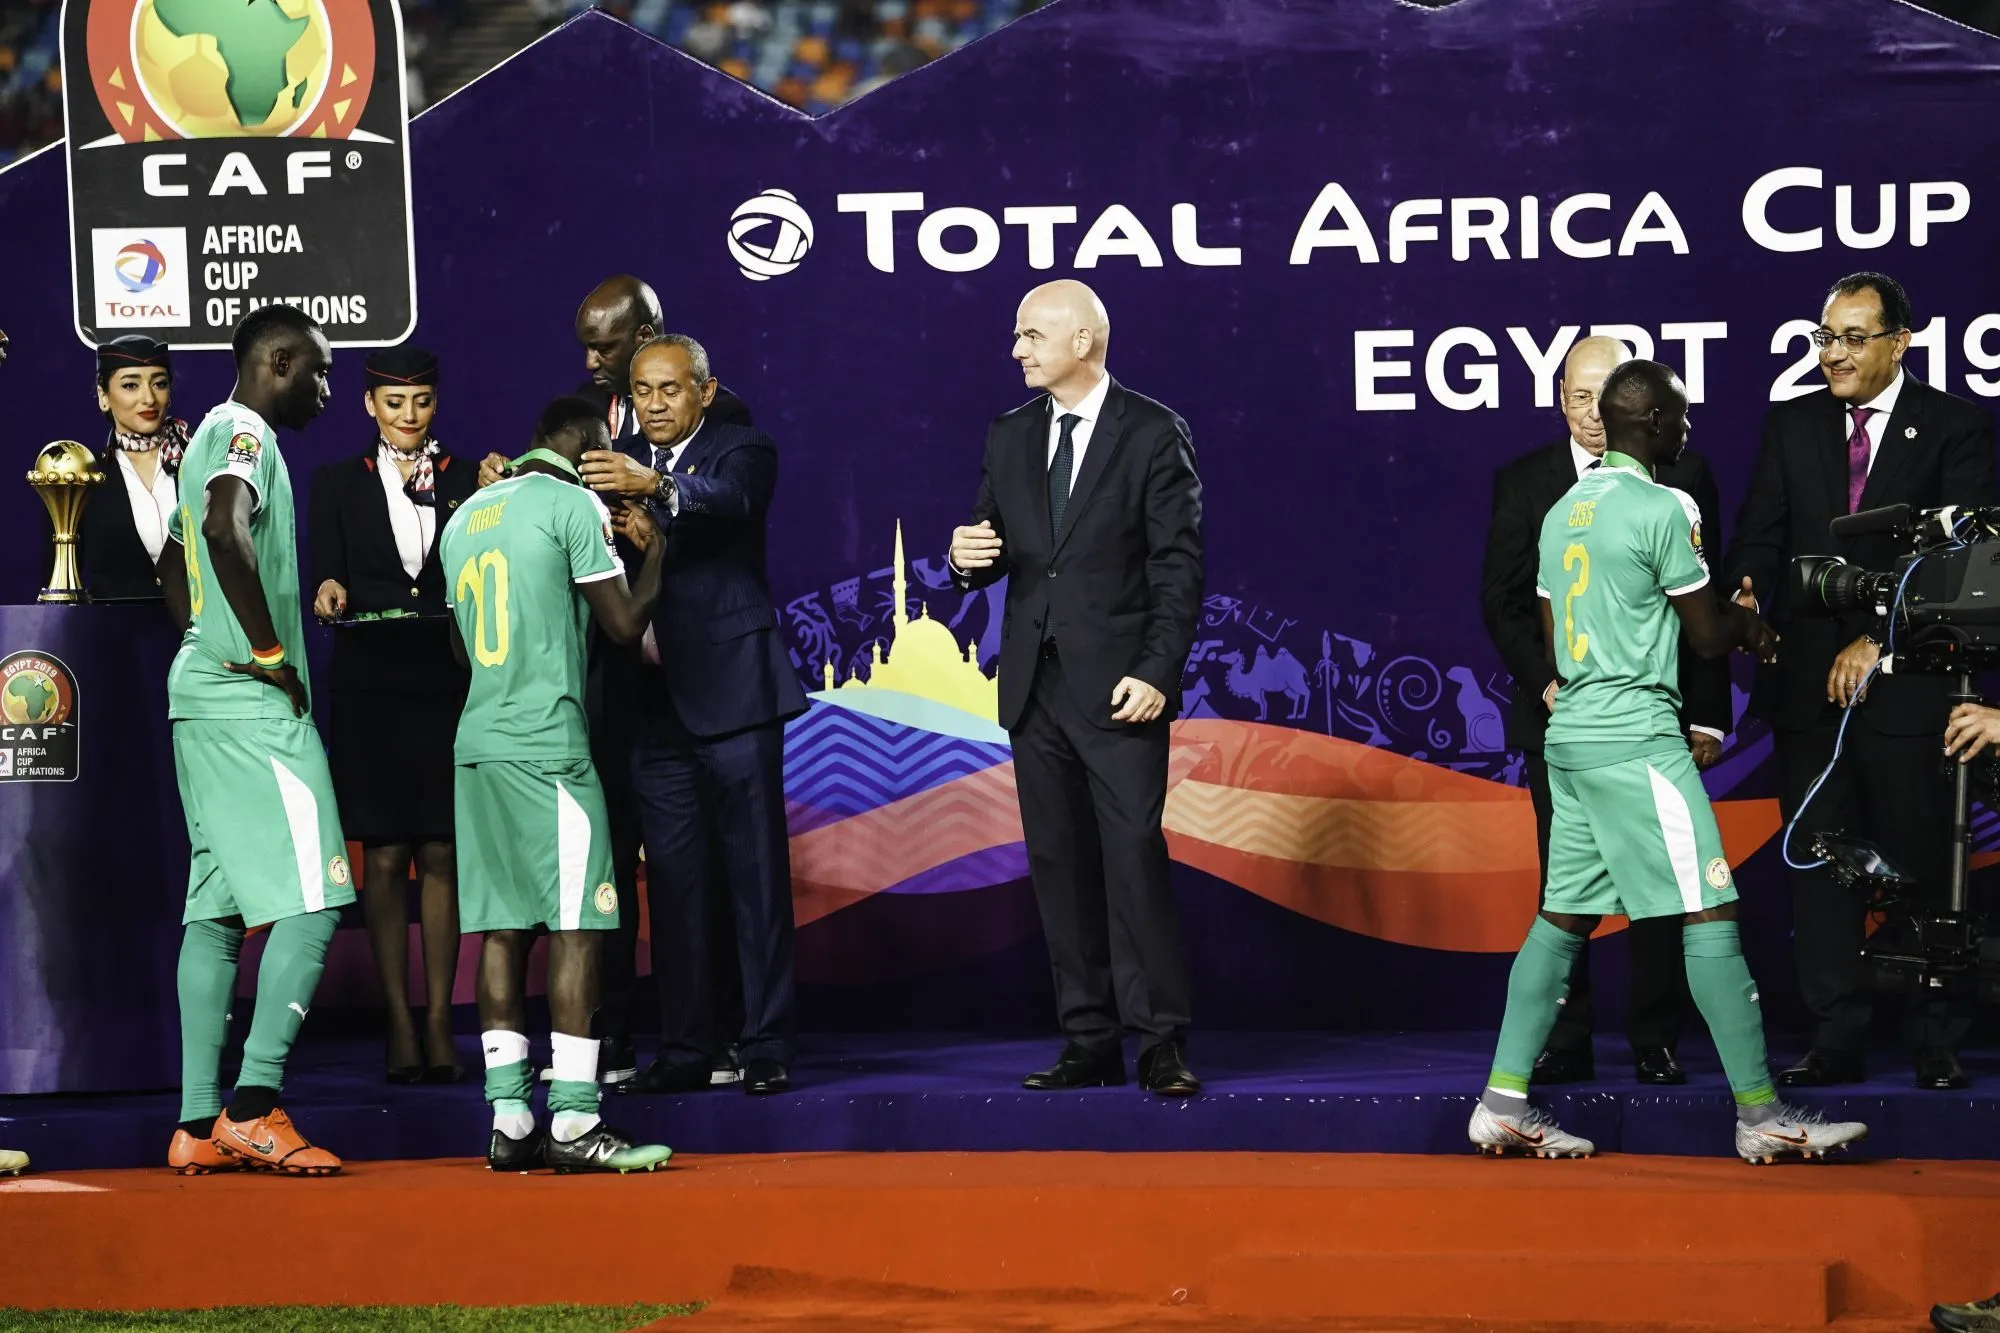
(415, 525)
(150, 508)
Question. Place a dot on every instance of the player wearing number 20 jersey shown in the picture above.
(532, 842)
(1640, 839)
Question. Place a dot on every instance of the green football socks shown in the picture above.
(1720, 982)
(1536, 989)
(294, 957)
(206, 980)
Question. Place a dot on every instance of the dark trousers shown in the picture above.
(1659, 1004)
(709, 808)
(618, 973)
(1091, 801)
(1893, 791)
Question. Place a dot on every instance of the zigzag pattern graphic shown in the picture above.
(839, 762)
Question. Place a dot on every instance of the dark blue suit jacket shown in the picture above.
(722, 657)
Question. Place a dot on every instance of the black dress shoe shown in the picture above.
(1554, 1066)
(661, 1077)
(1656, 1064)
(1823, 1067)
(505, 1154)
(763, 1077)
(1164, 1072)
(1938, 1070)
(1079, 1067)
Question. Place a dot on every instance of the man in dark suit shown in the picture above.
(707, 736)
(1876, 435)
(617, 316)
(1523, 493)
(1090, 507)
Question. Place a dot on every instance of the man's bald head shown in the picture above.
(1584, 369)
(618, 315)
(1061, 335)
(1644, 406)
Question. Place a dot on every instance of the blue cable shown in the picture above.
(1847, 715)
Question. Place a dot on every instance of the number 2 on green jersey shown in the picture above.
(1575, 556)
(472, 578)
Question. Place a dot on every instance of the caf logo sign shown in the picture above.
(769, 235)
(224, 69)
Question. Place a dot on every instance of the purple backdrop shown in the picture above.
(1337, 513)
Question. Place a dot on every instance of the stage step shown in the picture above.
(1557, 1284)
(1629, 1243)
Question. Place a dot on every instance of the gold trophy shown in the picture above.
(64, 473)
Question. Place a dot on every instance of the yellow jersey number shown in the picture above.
(472, 579)
(1576, 557)
(191, 548)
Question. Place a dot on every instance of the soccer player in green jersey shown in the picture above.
(1621, 575)
(262, 821)
(529, 561)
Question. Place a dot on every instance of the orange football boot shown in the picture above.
(190, 1156)
(273, 1144)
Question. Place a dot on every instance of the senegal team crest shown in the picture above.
(224, 69)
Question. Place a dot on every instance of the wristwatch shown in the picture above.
(664, 491)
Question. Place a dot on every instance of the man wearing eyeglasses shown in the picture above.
(1876, 435)
(1523, 492)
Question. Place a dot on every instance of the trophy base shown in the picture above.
(64, 596)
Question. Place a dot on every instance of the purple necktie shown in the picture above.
(1857, 457)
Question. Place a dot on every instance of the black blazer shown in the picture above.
(723, 659)
(1120, 590)
(1523, 493)
(1937, 450)
(353, 544)
(115, 563)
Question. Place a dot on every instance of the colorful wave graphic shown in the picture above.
(1348, 834)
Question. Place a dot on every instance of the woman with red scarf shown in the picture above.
(125, 523)
(397, 691)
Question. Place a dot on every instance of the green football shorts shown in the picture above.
(1636, 839)
(262, 821)
(534, 847)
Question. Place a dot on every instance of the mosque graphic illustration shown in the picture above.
(922, 661)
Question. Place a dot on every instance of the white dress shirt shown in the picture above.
(150, 508)
(1089, 410)
(415, 525)
(1582, 457)
(649, 645)
(1878, 425)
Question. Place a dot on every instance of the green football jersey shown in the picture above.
(513, 556)
(235, 441)
(1613, 550)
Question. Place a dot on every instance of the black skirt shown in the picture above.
(397, 694)
(392, 766)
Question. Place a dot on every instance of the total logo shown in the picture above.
(770, 235)
(140, 266)
(141, 277)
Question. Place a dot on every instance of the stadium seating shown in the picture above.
(812, 54)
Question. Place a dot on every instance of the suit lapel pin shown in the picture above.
(1909, 432)
(690, 470)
